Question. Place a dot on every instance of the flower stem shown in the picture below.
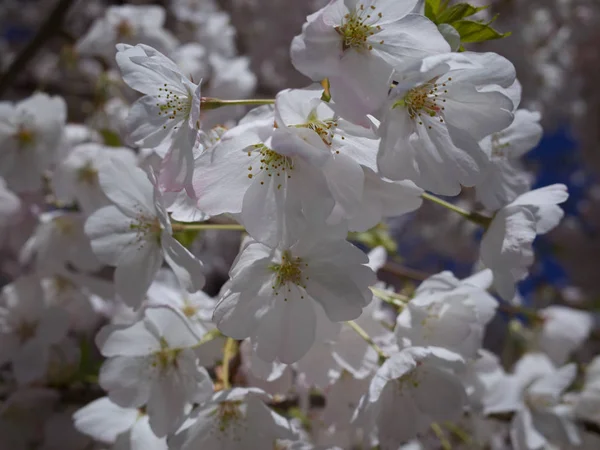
(209, 336)
(472, 216)
(392, 298)
(363, 334)
(207, 226)
(228, 353)
(214, 103)
(444, 442)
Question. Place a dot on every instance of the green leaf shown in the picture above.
(110, 138)
(375, 237)
(471, 31)
(458, 12)
(187, 237)
(432, 9)
(326, 97)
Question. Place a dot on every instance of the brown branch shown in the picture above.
(49, 27)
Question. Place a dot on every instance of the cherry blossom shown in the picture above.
(30, 132)
(135, 234)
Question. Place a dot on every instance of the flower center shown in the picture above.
(25, 330)
(289, 271)
(62, 284)
(87, 174)
(64, 225)
(425, 99)
(189, 310)
(166, 357)
(355, 31)
(146, 228)
(124, 29)
(173, 105)
(229, 413)
(324, 128)
(271, 162)
(24, 137)
(498, 147)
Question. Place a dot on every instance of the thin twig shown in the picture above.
(49, 27)
(363, 334)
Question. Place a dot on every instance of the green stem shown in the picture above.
(228, 354)
(363, 334)
(392, 298)
(474, 217)
(214, 103)
(207, 226)
(445, 443)
(209, 336)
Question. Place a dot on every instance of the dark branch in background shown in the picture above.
(47, 29)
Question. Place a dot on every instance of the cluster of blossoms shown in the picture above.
(103, 345)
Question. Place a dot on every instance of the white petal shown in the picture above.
(128, 187)
(133, 340)
(135, 271)
(287, 331)
(103, 420)
(126, 380)
(186, 266)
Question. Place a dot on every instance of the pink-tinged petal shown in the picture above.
(177, 167)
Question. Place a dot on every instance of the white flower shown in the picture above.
(167, 116)
(81, 296)
(192, 60)
(197, 307)
(58, 241)
(22, 417)
(9, 204)
(345, 153)
(504, 178)
(232, 419)
(135, 234)
(272, 377)
(351, 351)
(28, 328)
(587, 402)
(276, 193)
(152, 363)
(436, 115)
(342, 400)
(485, 380)
(564, 329)
(30, 132)
(448, 313)
(109, 423)
(410, 391)
(506, 247)
(357, 45)
(76, 177)
(534, 394)
(130, 24)
(275, 295)
(383, 198)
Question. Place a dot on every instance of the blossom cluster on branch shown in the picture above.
(107, 339)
